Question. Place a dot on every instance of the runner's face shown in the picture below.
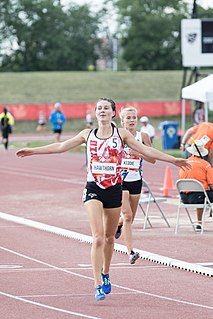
(129, 121)
(104, 111)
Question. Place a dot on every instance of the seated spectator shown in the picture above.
(202, 171)
(203, 132)
(147, 127)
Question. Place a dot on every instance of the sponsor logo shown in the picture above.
(92, 195)
(191, 37)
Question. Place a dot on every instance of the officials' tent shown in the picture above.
(199, 91)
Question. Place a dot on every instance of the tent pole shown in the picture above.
(183, 117)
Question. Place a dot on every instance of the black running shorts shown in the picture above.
(110, 197)
(134, 188)
(57, 131)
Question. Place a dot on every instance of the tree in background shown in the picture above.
(44, 36)
(150, 32)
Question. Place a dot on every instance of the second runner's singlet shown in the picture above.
(131, 164)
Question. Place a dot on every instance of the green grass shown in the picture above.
(73, 125)
(76, 125)
(27, 127)
(49, 87)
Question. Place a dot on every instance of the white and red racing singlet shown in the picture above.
(131, 164)
(104, 156)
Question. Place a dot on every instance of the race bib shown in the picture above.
(205, 139)
(104, 168)
(129, 163)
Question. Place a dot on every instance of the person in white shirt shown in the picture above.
(147, 127)
(131, 166)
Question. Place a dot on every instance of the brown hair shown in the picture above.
(113, 105)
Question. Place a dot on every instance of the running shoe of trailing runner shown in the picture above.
(106, 284)
(133, 257)
(198, 228)
(99, 294)
(118, 231)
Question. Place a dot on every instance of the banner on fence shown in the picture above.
(79, 110)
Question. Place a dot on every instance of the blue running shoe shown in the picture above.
(99, 294)
(106, 284)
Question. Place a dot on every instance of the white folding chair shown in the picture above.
(148, 200)
(191, 185)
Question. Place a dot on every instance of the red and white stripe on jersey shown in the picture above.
(104, 158)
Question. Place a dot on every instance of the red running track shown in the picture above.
(47, 276)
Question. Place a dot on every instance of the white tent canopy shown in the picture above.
(199, 91)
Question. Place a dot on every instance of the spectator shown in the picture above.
(89, 119)
(57, 118)
(41, 122)
(147, 127)
(7, 122)
(198, 114)
(203, 132)
(201, 171)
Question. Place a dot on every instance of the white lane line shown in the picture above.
(18, 269)
(10, 266)
(165, 298)
(49, 178)
(43, 263)
(162, 260)
(206, 264)
(114, 285)
(77, 314)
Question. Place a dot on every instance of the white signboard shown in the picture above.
(197, 42)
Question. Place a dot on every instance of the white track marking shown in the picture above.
(49, 178)
(43, 263)
(114, 285)
(77, 314)
(10, 266)
(205, 264)
(162, 260)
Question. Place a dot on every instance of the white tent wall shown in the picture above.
(199, 91)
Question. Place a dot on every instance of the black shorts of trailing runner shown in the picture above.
(134, 188)
(196, 197)
(110, 197)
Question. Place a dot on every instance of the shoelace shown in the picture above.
(99, 291)
(106, 280)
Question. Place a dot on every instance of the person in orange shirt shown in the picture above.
(200, 170)
(203, 132)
